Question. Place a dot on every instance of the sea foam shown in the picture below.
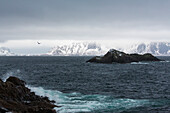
(77, 102)
(10, 73)
(165, 61)
(140, 63)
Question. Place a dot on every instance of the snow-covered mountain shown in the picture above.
(5, 52)
(155, 48)
(93, 49)
(78, 49)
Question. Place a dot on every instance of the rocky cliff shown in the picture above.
(16, 98)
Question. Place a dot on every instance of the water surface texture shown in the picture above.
(81, 87)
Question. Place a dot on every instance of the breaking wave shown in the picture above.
(141, 63)
(15, 72)
(165, 61)
(77, 102)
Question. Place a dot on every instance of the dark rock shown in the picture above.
(145, 57)
(15, 97)
(1, 81)
(16, 81)
(121, 57)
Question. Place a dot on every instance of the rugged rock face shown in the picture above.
(17, 98)
(121, 57)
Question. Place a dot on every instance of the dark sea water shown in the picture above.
(81, 87)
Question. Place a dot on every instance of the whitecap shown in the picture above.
(77, 102)
(141, 63)
(165, 61)
(10, 73)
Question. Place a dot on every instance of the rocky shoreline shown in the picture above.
(115, 56)
(16, 98)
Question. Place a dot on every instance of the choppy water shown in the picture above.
(96, 88)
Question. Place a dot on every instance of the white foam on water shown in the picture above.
(76, 102)
(10, 73)
(140, 63)
(165, 61)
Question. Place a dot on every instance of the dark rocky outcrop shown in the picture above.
(121, 57)
(17, 98)
(16, 81)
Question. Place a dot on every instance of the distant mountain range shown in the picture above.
(5, 52)
(155, 48)
(92, 49)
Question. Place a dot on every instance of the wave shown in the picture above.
(145, 63)
(77, 102)
(15, 72)
(165, 61)
(141, 63)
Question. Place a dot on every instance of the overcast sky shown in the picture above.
(146, 20)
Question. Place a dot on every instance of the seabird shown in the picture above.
(38, 43)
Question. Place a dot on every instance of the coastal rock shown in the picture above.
(16, 81)
(120, 57)
(15, 97)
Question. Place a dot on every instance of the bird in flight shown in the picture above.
(38, 43)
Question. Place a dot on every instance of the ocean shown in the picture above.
(80, 87)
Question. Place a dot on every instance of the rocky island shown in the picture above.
(16, 98)
(115, 56)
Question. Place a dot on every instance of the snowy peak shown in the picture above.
(93, 49)
(155, 48)
(160, 48)
(5, 52)
(77, 49)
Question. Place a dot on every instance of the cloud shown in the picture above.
(84, 33)
(84, 20)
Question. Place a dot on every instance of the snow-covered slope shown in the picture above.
(155, 48)
(5, 52)
(93, 49)
(78, 49)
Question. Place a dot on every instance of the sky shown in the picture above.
(24, 22)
